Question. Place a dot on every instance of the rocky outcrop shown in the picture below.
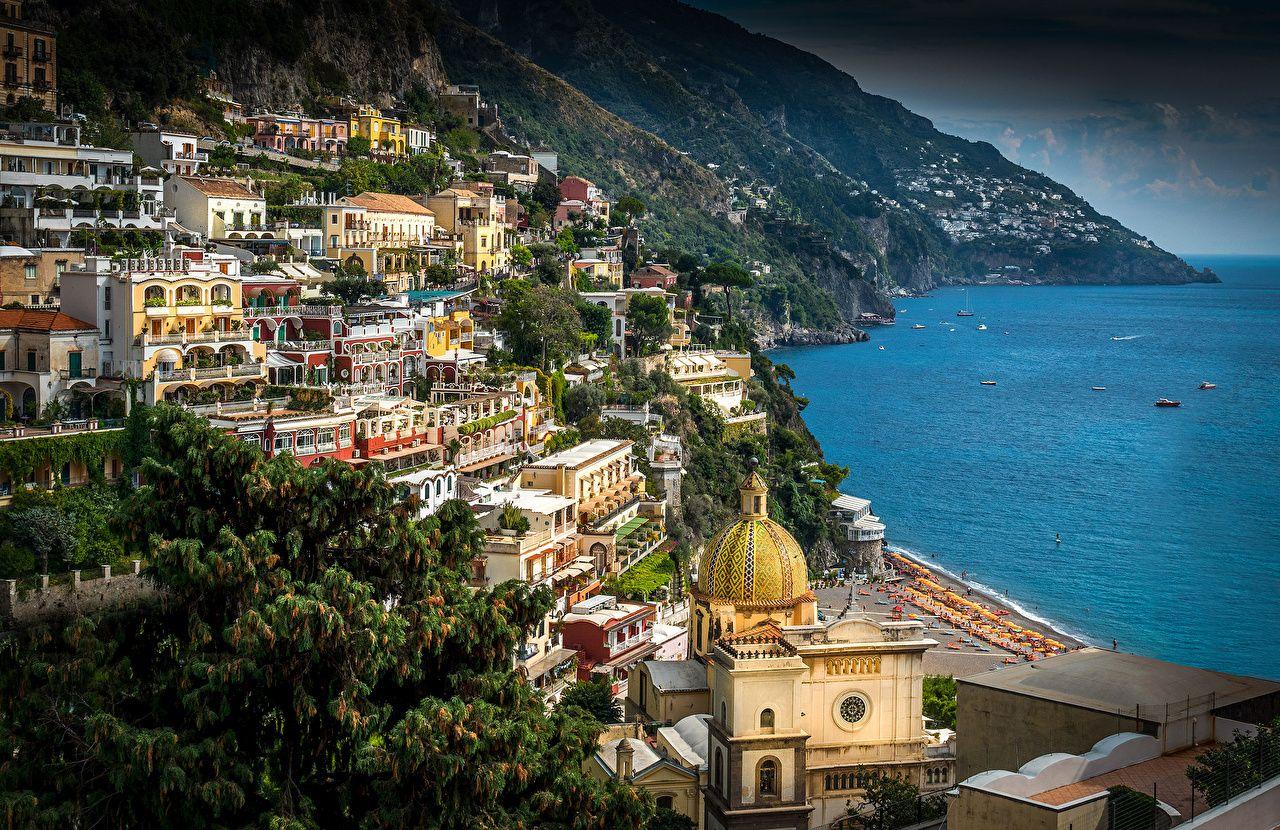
(770, 334)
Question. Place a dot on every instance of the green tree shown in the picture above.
(582, 401)
(358, 145)
(439, 275)
(891, 804)
(567, 242)
(595, 697)
(664, 818)
(546, 195)
(649, 320)
(727, 275)
(521, 255)
(318, 660)
(550, 271)
(596, 319)
(540, 322)
(47, 532)
(628, 208)
(352, 287)
(1231, 768)
(940, 700)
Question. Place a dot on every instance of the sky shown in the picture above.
(1165, 115)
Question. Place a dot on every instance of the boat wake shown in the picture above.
(993, 594)
(1129, 337)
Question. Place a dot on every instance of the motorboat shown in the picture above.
(882, 348)
(982, 327)
(988, 383)
(1165, 402)
(1204, 384)
(919, 326)
(1099, 388)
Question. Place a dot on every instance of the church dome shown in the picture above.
(754, 561)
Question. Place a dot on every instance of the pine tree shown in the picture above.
(318, 661)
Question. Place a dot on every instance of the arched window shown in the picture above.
(698, 630)
(719, 770)
(724, 713)
(766, 719)
(153, 292)
(666, 802)
(767, 778)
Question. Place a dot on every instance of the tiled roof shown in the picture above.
(23, 318)
(388, 203)
(222, 188)
(458, 191)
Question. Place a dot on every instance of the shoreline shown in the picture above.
(1017, 612)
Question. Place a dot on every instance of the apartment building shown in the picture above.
(385, 134)
(295, 131)
(479, 219)
(176, 322)
(58, 193)
(222, 209)
(33, 277)
(30, 58)
(43, 355)
(176, 153)
(518, 171)
(382, 234)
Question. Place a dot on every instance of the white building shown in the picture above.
(52, 186)
(417, 139)
(176, 153)
(218, 208)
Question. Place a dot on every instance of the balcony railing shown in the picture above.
(302, 345)
(184, 338)
(84, 372)
(215, 372)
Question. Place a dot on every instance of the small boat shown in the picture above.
(982, 327)
(988, 383)
(1166, 402)
(1204, 384)
(1099, 388)
(950, 329)
(966, 311)
(919, 326)
(882, 348)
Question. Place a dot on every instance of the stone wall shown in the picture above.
(47, 602)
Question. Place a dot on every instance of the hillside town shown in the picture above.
(480, 332)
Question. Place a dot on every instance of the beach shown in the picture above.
(950, 656)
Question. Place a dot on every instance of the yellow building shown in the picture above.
(803, 712)
(386, 135)
(448, 333)
(177, 322)
(383, 233)
(598, 273)
(479, 220)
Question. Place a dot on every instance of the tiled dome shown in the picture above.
(754, 561)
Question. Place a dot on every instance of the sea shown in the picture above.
(1169, 518)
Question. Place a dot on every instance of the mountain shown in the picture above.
(911, 205)
(846, 196)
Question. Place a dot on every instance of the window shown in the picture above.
(344, 433)
(326, 437)
(724, 714)
(767, 779)
(719, 770)
(853, 709)
(284, 442)
(31, 360)
(2, 360)
(30, 271)
(306, 442)
(106, 298)
(666, 802)
(766, 719)
(106, 330)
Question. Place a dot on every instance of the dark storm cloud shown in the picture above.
(1164, 114)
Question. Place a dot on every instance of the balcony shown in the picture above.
(85, 373)
(248, 370)
(12, 52)
(301, 346)
(198, 310)
(183, 338)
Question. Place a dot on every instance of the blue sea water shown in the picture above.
(1170, 518)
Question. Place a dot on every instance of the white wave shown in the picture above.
(1129, 337)
(993, 594)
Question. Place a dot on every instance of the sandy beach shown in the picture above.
(943, 659)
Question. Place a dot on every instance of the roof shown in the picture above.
(581, 454)
(677, 675)
(458, 191)
(14, 251)
(224, 188)
(388, 203)
(1111, 681)
(32, 320)
(844, 502)
(643, 757)
(689, 739)
(654, 269)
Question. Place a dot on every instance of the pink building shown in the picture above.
(289, 132)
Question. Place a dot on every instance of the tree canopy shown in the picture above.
(541, 323)
(595, 697)
(317, 661)
(352, 287)
(649, 320)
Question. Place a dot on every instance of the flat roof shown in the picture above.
(581, 454)
(1111, 681)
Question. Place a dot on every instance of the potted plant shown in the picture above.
(512, 522)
